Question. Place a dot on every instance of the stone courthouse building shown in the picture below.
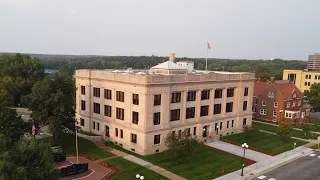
(136, 109)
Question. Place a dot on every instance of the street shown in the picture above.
(305, 168)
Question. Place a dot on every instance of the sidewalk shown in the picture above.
(98, 142)
(237, 150)
(266, 164)
(300, 139)
(315, 132)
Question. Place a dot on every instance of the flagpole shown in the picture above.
(77, 141)
(207, 57)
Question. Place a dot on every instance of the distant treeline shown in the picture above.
(263, 68)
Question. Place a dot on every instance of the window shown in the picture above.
(190, 112)
(271, 94)
(107, 94)
(255, 101)
(232, 122)
(191, 96)
(179, 133)
(245, 103)
(81, 122)
(215, 127)
(204, 111)
(274, 113)
(116, 132)
(227, 124)
(135, 99)
(299, 103)
(107, 110)
(121, 133)
(288, 104)
(306, 83)
(264, 103)
(246, 91)
(96, 92)
(194, 130)
(254, 109)
(120, 96)
(230, 92)
(173, 133)
(275, 104)
(83, 90)
(205, 94)
(107, 131)
(83, 105)
(229, 107)
(94, 124)
(157, 99)
(96, 108)
(218, 93)
(175, 97)
(263, 111)
(156, 118)
(133, 138)
(220, 125)
(156, 139)
(294, 95)
(293, 103)
(217, 109)
(175, 115)
(135, 117)
(188, 131)
(288, 115)
(98, 126)
(244, 121)
(120, 113)
(308, 76)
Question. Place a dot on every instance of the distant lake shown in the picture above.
(50, 71)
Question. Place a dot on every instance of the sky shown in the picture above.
(238, 29)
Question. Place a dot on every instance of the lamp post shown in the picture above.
(294, 146)
(244, 146)
(138, 176)
(217, 129)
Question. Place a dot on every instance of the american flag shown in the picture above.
(208, 46)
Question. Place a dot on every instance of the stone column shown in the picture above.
(198, 105)
(183, 106)
(224, 102)
(211, 105)
(165, 110)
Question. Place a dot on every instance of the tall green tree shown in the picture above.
(313, 96)
(18, 73)
(11, 125)
(53, 104)
(284, 130)
(26, 159)
(182, 144)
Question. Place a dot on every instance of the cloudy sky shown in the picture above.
(253, 29)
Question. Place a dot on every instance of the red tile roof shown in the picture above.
(296, 108)
(286, 89)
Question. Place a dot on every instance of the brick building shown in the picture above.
(278, 101)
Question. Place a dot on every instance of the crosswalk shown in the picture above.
(264, 177)
(313, 155)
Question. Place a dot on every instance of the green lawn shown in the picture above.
(263, 142)
(129, 170)
(315, 146)
(87, 133)
(316, 126)
(204, 163)
(272, 128)
(85, 146)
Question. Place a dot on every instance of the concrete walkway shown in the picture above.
(100, 144)
(300, 139)
(315, 132)
(265, 163)
(233, 149)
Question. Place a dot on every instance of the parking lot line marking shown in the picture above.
(312, 155)
(261, 177)
(271, 179)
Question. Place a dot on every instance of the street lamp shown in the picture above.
(294, 146)
(217, 130)
(138, 176)
(244, 146)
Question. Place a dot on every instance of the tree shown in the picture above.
(18, 73)
(313, 96)
(53, 104)
(27, 160)
(181, 144)
(284, 130)
(11, 125)
(247, 129)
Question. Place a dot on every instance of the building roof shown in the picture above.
(296, 108)
(169, 66)
(286, 89)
